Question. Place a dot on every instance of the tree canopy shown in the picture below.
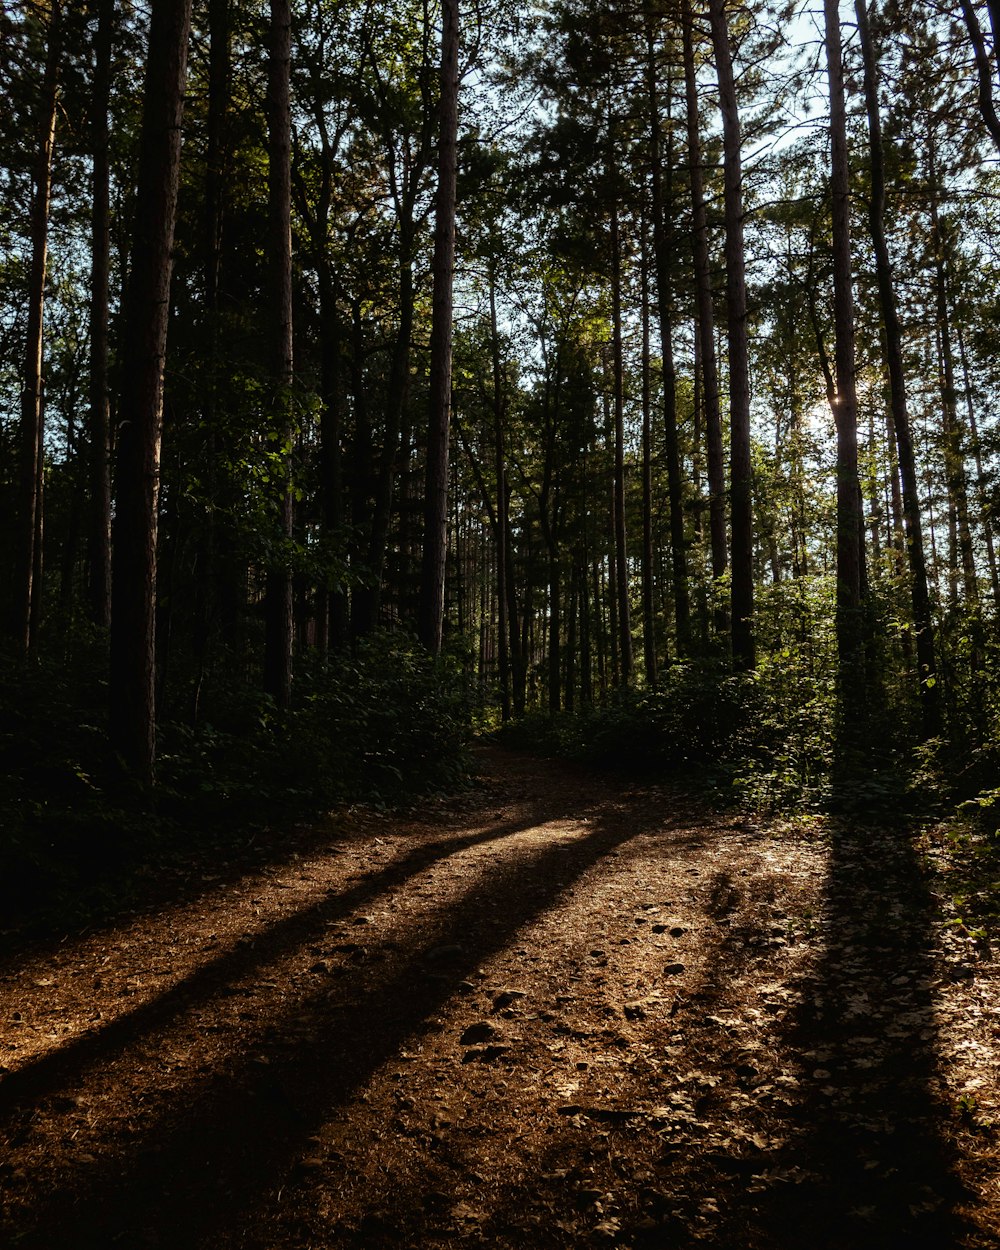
(610, 357)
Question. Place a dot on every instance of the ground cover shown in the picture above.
(553, 1010)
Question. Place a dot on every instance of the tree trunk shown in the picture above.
(977, 452)
(663, 248)
(279, 598)
(27, 587)
(99, 527)
(983, 71)
(331, 452)
(133, 633)
(504, 585)
(954, 454)
(844, 401)
(618, 492)
(741, 599)
(706, 322)
(648, 614)
(436, 490)
(210, 567)
(930, 699)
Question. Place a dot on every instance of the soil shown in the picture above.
(553, 1011)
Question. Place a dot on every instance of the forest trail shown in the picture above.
(552, 1011)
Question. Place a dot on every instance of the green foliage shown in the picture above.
(760, 737)
(378, 727)
(386, 723)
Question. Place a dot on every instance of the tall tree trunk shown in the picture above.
(396, 403)
(663, 249)
(586, 656)
(983, 71)
(331, 451)
(27, 586)
(741, 598)
(279, 607)
(554, 632)
(648, 614)
(361, 477)
(706, 321)
(133, 603)
(331, 604)
(845, 401)
(99, 526)
(210, 568)
(504, 586)
(954, 454)
(436, 490)
(618, 493)
(930, 698)
(977, 452)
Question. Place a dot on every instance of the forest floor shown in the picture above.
(554, 1010)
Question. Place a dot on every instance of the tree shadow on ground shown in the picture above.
(197, 1168)
(107, 875)
(872, 1161)
(70, 1060)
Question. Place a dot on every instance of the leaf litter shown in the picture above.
(577, 1017)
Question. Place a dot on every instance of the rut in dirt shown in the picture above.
(550, 1012)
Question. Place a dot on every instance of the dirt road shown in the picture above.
(550, 1012)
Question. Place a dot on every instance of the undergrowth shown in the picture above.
(378, 727)
(769, 741)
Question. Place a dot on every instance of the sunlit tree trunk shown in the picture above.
(977, 452)
(844, 401)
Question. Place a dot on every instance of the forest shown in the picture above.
(625, 372)
(500, 624)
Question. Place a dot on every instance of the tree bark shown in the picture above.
(133, 634)
(983, 71)
(99, 529)
(977, 453)
(930, 699)
(954, 453)
(278, 597)
(27, 587)
(618, 493)
(648, 613)
(663, 248)
(706, 321)
(209, 566)
(741, 598)
(431, 622)
(844, 401)
(507, 611)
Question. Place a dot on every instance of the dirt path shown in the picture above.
(551, 1012)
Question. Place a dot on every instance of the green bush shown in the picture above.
(378, 727)
(385, 723)
(764, 737)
